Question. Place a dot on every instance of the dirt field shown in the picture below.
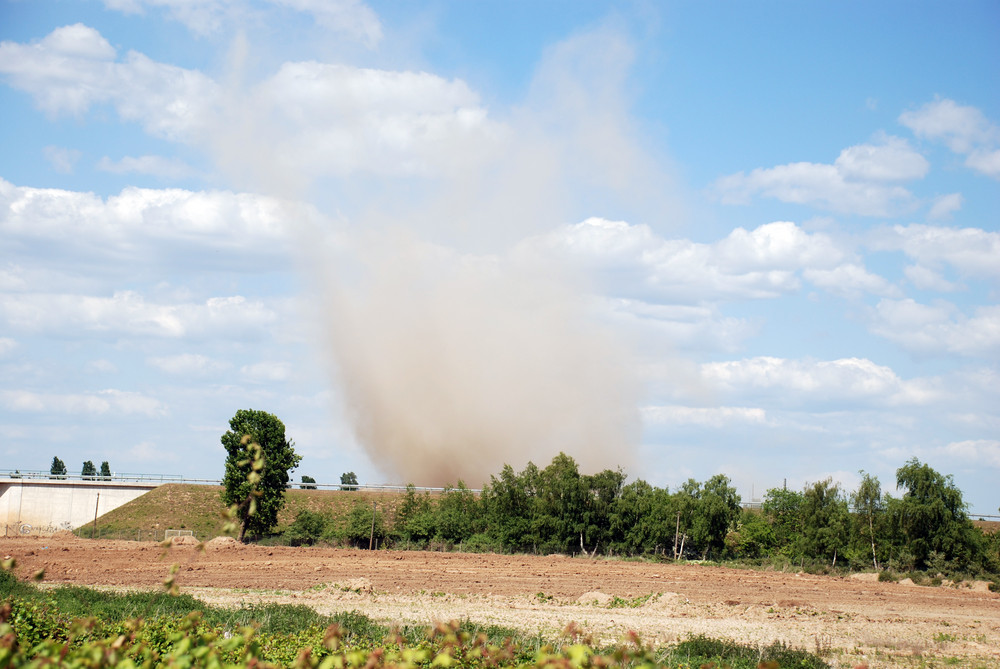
(849, 619)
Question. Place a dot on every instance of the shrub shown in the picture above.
(481, 543)
(307, 528)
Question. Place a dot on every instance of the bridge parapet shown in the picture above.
(43, 506)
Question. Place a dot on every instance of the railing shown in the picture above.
(113, 478)
(119, 477)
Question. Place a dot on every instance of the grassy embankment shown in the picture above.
(199, 508)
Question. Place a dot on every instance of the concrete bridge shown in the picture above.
(32, 505)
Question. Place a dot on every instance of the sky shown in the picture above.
(683, 239)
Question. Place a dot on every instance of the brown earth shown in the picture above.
(850, 619)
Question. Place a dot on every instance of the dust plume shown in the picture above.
(453, 354)
(452, 366)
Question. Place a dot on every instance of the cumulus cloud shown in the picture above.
(98, 403)
(129, 313)
(938, 329)
(861, 181)
(975, 451)
(844, 380)
(74, 68)
(685, 326)
(337, 120)
(925, 278)
(968, 251)
(765, 262)
(964, 129)
(150, 224)
(893, 160)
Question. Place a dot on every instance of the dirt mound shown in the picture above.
(183, 541)
(222, 542)
(595, 597)
(866, 576)
(65, 535)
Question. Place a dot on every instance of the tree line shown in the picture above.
(557, 509)
(88, 471)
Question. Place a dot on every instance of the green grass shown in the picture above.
(41, 616)
(199, 508)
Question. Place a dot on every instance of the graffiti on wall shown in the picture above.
(20, 529)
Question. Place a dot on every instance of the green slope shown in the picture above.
(199, 508)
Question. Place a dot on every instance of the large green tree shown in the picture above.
(509, 507)
(825, 521)
(932, 516)
(258, 460)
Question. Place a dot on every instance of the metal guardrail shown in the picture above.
(118, 477)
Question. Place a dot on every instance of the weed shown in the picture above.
(635, 602)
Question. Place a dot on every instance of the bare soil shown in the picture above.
(848, 619)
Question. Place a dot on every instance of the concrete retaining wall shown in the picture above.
(45, 506)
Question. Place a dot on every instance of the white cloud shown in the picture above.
(850, 280)
(170, 168)
(925, 278)
(938, 329)
(188, 364)
(337, 119)
(985, 161)
(969, 251)
(129, 313)
(859, 181)
(846, 379)
(151, 224)
(63, 160)
(980, 452)
(893, 160)
(98, 403)
(349, 18)
(307, 119)
(74, 68)
(716, 417)
(964, 129)
(688, 327)
(945, 205)
(747, 264)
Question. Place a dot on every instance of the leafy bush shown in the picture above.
(702, 650)
(307, 528)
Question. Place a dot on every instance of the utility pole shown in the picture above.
(93, 532)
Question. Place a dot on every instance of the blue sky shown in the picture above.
(681, 238)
